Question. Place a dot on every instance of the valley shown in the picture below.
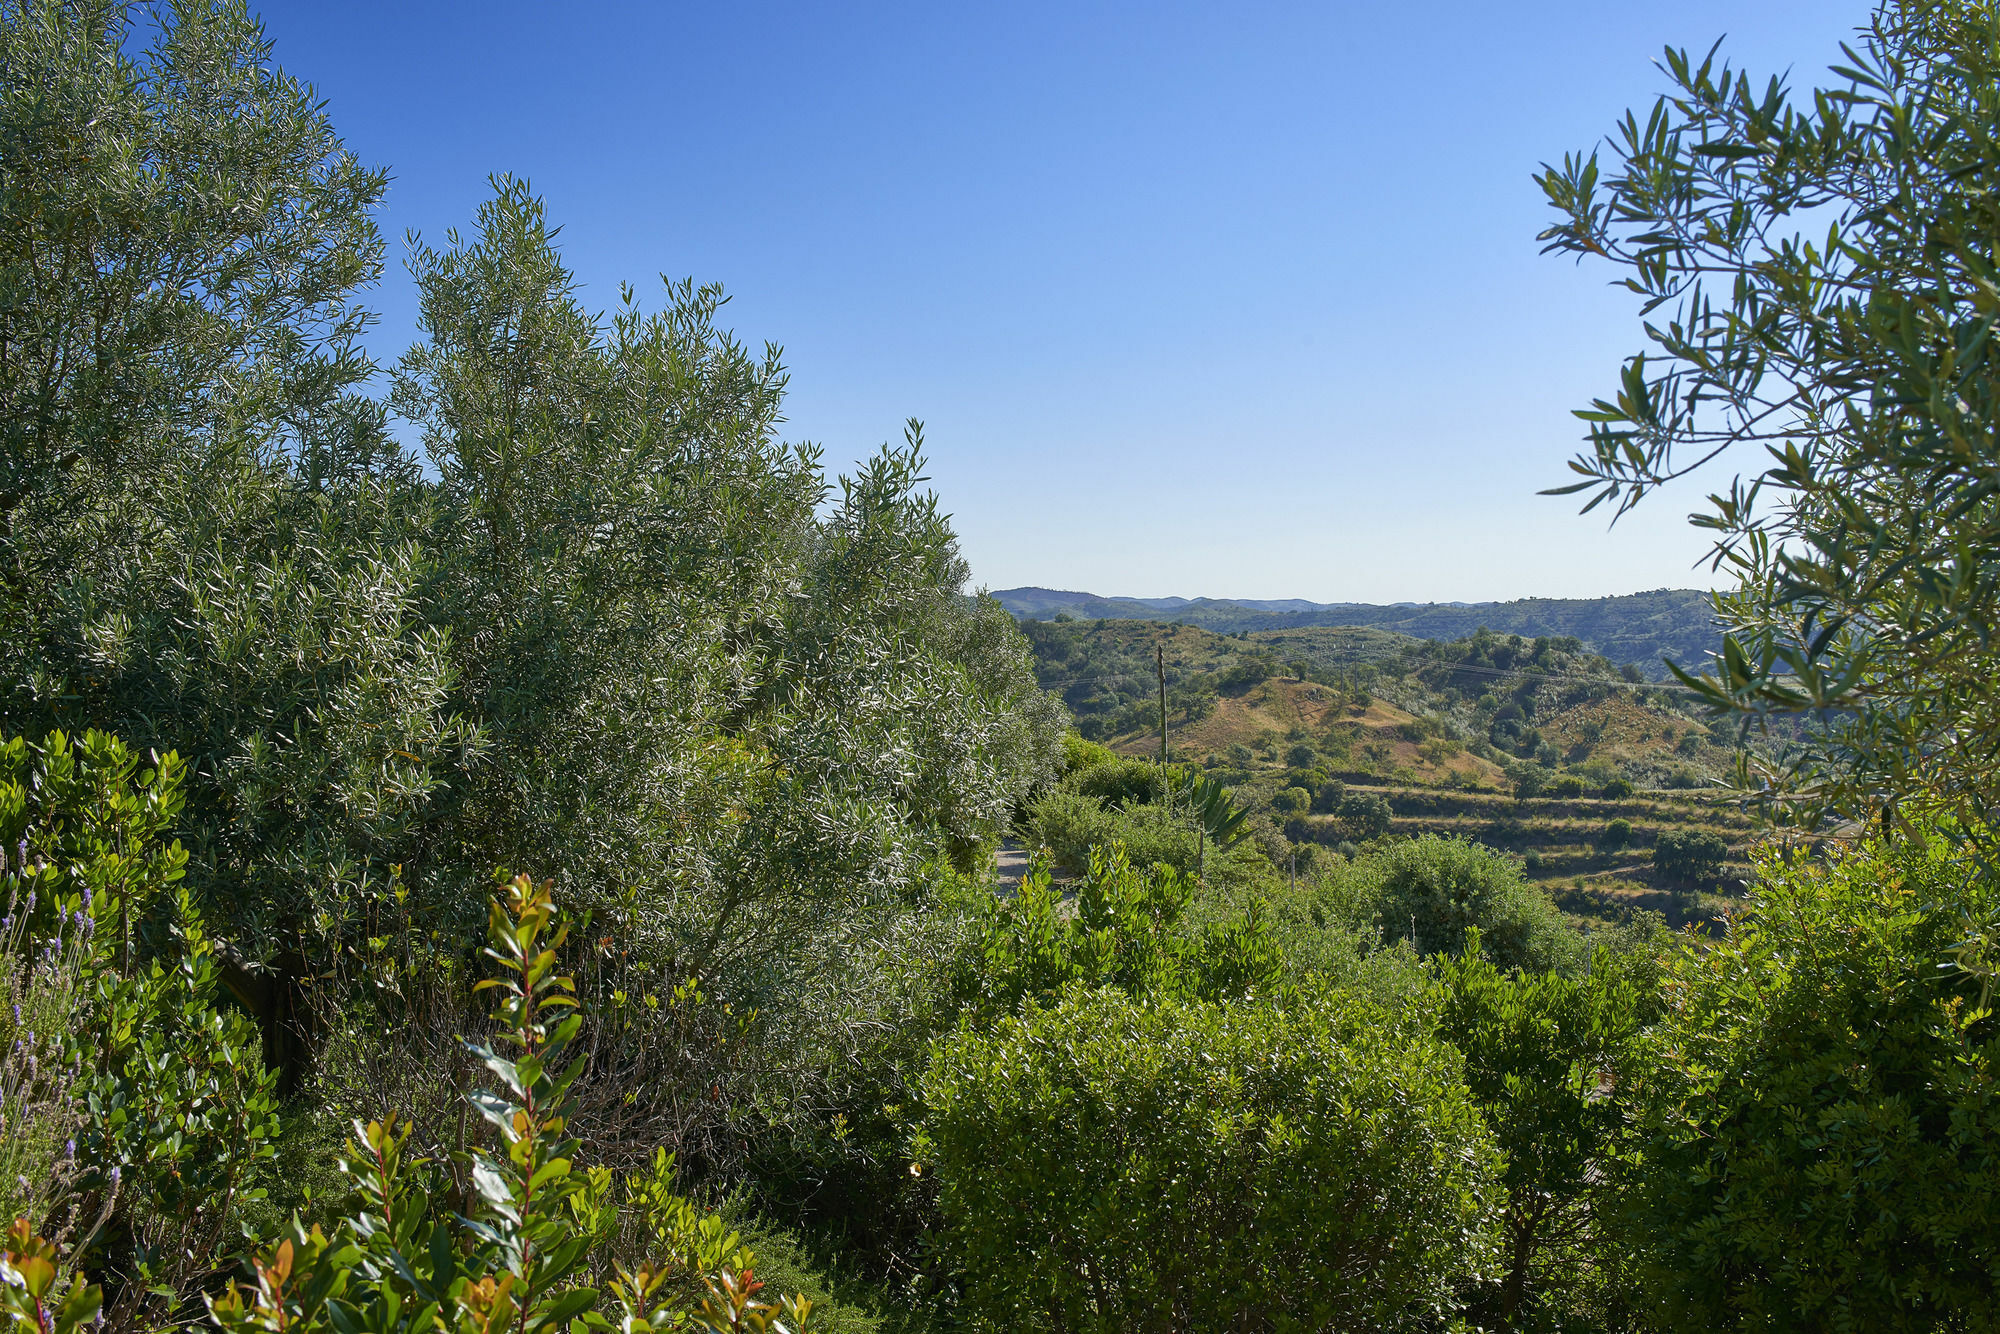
(1538, 749)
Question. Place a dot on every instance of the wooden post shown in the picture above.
(1160, 665)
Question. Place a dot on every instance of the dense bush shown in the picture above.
(1079, 754)
(535, 1228)
(1326, 797)
(1112, 1166)
(139, 1119)
(1547, 1058)
(1692, 856)
(1435, 891)
(1122, 782)
(1821, 1139)
(1362, 816)
(1236, 679)
(1125, 932)
(1070, 824)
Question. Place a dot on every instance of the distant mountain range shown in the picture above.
(1641, 628)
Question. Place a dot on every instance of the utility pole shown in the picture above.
(1160, 664)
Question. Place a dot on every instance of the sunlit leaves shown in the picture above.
(1826, 271)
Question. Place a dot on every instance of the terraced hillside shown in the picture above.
(1533, 747)
(1569, 844)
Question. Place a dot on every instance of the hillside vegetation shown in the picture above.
(1511, 743)
(508, 842)
(1640, 629)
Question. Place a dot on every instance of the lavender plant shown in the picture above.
(137, 1114)
(42, 990)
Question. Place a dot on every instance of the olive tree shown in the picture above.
(598, 614)
(1816, 276)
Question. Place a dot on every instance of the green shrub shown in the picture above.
(1618, 789)
(522, 1254)
(1326, 798)
(1078, 754)
(1615, 834)
(1239, 678)
(1111, 1166)
(1302, 756)
(1363, 815)
(1309, 779)
(1565, 786)
(166, 1113)
(1821, 1136)
(1125, 933)
(1530, 780)
(1123, 782)
(1433, 891)
(1545, 1057)
(1692, 856)
(1070, 824)
(184, 1111)
(1292, 801)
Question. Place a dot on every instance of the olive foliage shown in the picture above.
(1816, 272)
(552, 589)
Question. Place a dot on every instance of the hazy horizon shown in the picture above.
(1249, 598)
(1188, 298)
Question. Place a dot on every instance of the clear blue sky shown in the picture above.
(1222, 299)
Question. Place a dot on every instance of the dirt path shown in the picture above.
(1010, 863)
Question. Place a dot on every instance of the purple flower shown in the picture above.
(116, 1175)
(69, 1149)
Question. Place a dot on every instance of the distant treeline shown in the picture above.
(1640, 628)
